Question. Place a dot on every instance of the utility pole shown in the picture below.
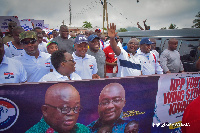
(105, 15)
(70, 14)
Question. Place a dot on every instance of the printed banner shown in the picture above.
(38, 23)
(27, 99)
(46, 27)
(26, 24)
(175, 93)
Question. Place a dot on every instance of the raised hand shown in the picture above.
(111, 30)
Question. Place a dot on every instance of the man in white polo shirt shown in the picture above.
(11, 71)
(36, 63)
(148, 59)
(86, 65)
(128, 62)
(64, 65)
(14, 47)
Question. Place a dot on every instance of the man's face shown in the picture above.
(145, 48)
(173, 45)
(1, 50)
(39, 31)
(94, 44)
(111, 111)
(87, 33)
(98, 34)
(153, 46)
(11, 26)
(39, 38)
(54, 33)
(52, 48)
(16, 35)
(133, 45)
(81, 49)
(63, 122)
(117, 38)
(30, 45)
(133, 128)
(64, 32)
(69, 64)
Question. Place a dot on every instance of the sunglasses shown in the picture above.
(28, 42)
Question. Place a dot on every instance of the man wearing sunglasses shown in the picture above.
(64, 65)
(36, 63)
(111, 102)
(60, 111)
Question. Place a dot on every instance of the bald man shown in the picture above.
(111, 102)
(64, 41)
(60, 111)
(170, 58)
(128, 61)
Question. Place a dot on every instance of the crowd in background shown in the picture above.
(35, 56)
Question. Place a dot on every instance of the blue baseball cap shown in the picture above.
(80, 38)
(92, 37)
(145, 41)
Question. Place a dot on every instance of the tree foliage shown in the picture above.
(105, 28)
(172, 26)
(164, 28)
(122, 30)
(87, 24)
(197, 21)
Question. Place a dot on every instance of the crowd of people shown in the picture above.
(31, 56)
(68, 56)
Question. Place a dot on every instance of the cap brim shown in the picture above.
(81, 42)
(94, 38)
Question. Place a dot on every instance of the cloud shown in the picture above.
(159, 13)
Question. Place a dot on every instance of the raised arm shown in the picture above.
(113, 43)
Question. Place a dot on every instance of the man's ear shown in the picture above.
(62, 64)
(44, 109)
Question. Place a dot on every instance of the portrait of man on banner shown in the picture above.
(111, 103)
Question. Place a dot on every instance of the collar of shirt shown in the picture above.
(139, 52)
(28, 56)
(89, 51)
(76, 57)
(58, 75)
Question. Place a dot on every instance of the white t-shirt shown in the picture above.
(85, 67)
(55, 76)
(12, 51)
(128, 64)
(36, 68)
(43, 47)
(12, 71)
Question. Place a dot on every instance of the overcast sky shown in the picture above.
(124, 13)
